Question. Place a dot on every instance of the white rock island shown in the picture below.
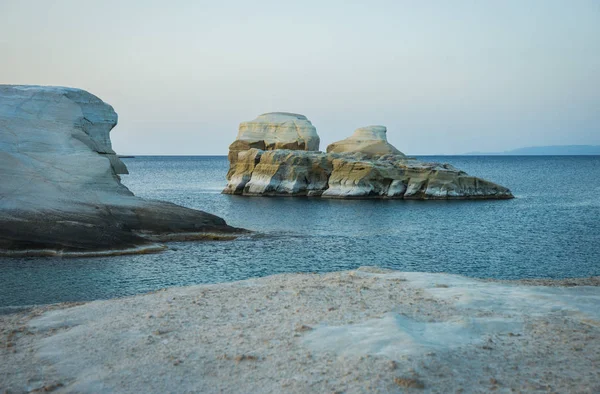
(279, 160)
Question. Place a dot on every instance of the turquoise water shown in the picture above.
(550, 230)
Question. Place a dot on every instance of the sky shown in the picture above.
(445, 77)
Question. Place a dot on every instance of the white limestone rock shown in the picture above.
(364, 165)
(59, 183)
(280, 130)
(270, 131)
(370, 141)
(369, 330)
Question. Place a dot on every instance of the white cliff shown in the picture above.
(59, 183)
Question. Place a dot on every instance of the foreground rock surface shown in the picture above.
(60, 190)
(368, 330)
(365, 165)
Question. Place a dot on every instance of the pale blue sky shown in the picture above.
(445, 77)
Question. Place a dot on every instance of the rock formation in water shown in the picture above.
(59, 185)
(364, 165)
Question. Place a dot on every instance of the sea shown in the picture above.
(550, 230)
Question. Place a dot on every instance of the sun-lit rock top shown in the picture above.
(280, 130)
(369, 140)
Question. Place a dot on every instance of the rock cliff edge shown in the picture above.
(60, 190)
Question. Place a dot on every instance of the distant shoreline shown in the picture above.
(550, 150)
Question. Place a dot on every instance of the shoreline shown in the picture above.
(368, 329)
(564, 282)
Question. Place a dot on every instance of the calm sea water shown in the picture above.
(551, 230)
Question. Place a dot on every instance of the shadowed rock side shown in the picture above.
(364, 165)
(60, 191)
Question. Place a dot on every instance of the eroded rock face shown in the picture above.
(59, 183)
(279, 172)
(364, 165)
(370, 141)
(271, 131)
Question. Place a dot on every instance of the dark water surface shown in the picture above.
(551, 230)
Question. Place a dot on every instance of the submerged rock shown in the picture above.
(59, 185)
(365, 165)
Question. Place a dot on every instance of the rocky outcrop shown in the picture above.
(60, 191)
(364, 165)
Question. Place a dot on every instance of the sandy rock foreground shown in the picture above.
(367, 330)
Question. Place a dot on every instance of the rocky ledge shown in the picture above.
(277, 155)
(60, 191)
